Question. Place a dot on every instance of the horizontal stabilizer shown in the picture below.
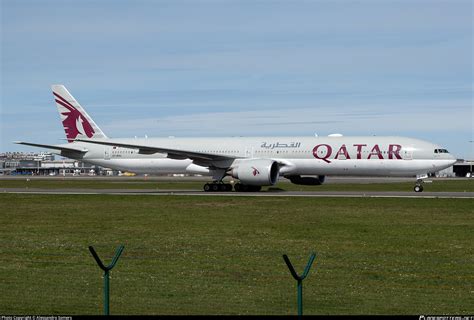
(48, 146)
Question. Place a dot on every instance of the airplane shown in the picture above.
(254, 161)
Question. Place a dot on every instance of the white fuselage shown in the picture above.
(357, 156)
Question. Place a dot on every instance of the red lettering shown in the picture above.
(394, 150)
(359, 150)
(323, 156)
(342, 152)
(324, 152)
(375, 152)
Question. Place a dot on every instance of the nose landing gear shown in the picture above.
(418, 188)
(419, 183)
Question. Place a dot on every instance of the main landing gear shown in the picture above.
(217, 187)
(227, 187)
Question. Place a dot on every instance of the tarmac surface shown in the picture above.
(329, 179)
(269, 193)
(316, 194)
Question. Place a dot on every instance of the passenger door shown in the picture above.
(107, 153)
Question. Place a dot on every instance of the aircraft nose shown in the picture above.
(453, 159)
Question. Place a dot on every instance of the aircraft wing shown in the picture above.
(172, 153)
(49, 146)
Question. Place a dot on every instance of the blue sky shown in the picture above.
(241, 68)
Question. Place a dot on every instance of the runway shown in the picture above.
(203, 179)
(314, 194)
(274, 192)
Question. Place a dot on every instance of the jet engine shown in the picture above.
(259, 172)
(307, 181)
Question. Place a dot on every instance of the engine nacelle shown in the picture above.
(259, 172)
(307, 181)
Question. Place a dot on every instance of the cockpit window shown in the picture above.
(441, 151)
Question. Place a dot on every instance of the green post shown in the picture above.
(300, 297)
(106, 294)
(299, 279)
(107, 269)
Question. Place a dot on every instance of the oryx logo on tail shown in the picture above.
(76, 122)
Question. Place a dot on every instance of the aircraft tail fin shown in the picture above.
(76, 122)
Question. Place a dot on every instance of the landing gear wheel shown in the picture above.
(418, 188)
(217, 187)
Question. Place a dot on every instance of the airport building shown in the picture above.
(18, 163)
(463, 168)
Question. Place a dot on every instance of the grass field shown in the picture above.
(222, 255)
(437, 186)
